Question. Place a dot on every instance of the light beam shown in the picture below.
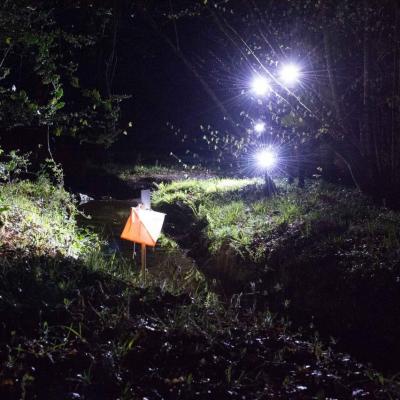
(290, 74)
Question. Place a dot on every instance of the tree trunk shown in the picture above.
(365, 131)
(365, 175)
(332, 82)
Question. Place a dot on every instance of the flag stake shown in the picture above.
(143, 259)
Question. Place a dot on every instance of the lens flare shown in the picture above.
(266, 159)
(290, 74)
(260, 86)
(259, 127)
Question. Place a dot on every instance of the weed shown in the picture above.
(12, 164)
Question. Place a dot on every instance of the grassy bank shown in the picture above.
(39, 218)
(237, 214)
(77, 324)
(325, 255)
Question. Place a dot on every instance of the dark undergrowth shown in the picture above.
(77, 324)
(71, 332)
(325, 256)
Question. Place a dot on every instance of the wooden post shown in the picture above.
(143, 259)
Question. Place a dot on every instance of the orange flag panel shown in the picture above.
(135, 231)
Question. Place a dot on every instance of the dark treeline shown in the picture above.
(68, 70)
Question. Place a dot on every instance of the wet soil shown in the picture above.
(70, 333)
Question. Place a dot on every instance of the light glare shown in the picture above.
(259, 127)
(290, 74)
(260, 86)
(266, 159)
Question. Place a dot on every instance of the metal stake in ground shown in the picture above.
(143, 260)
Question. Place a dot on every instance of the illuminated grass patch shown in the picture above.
(40, 217)
(238, 215)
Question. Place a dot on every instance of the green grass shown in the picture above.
(237, 213)
(92, 326)
(168, 172)
(235, 209)
(41, 217)
(194, 192)
(126, 172)
(324, 251)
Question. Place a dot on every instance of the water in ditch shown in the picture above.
(107, 218)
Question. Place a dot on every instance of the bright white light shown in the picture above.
(260, 86)
(290, 74)
(266, 159)
(259, 127)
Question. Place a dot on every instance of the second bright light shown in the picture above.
(290, 74)
(266, 159)
(260, 86)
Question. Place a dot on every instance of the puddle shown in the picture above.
(108, 218)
